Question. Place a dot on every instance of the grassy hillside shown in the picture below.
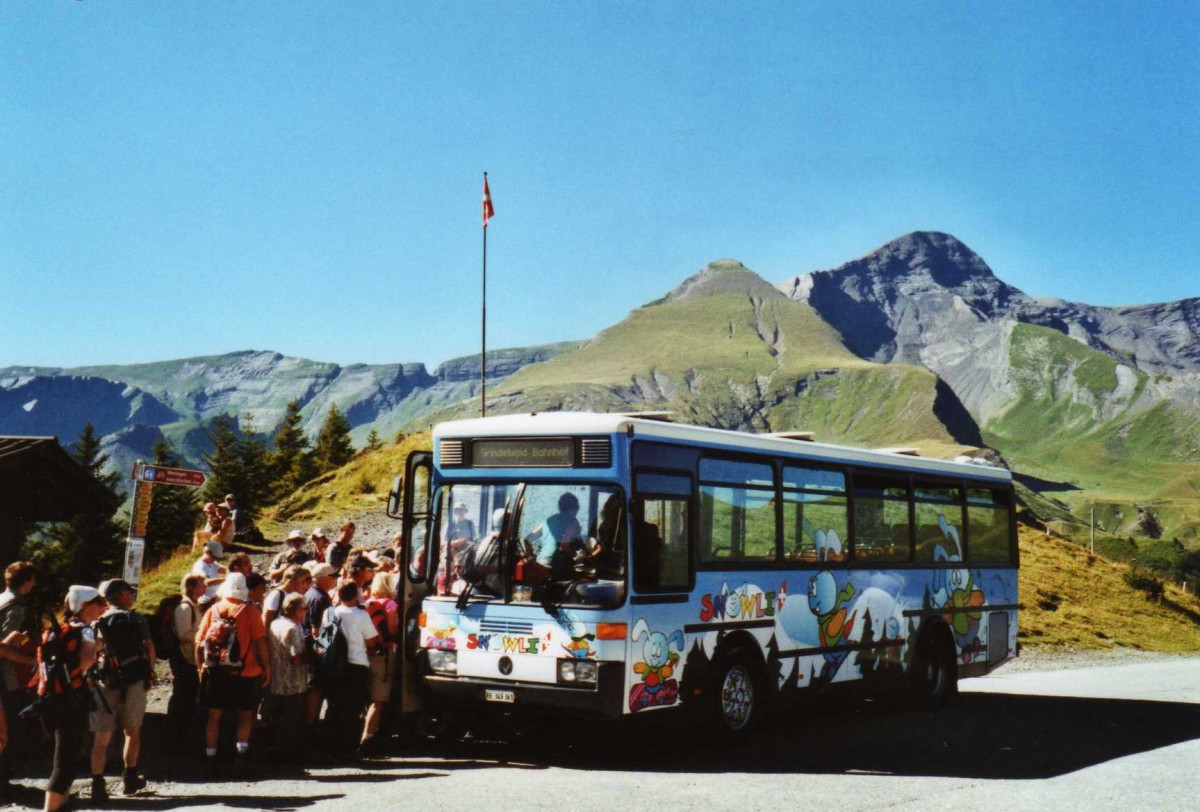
(359, 486)
(1071, 599)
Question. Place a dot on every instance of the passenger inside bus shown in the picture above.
(608, 540)
(556, 536)
(460, 533)
(481, 565)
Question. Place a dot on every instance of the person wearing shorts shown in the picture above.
(384, 614)
(227, 688)
(121, 701)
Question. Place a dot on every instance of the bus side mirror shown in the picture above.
(393, 500)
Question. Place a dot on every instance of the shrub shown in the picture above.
(1146, 582)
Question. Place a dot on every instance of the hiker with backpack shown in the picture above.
(296, 581)
(381, 658)
(125, 671)
(343, 669)
(16, 668)
(179, 617)
(65, 657)
(317, 601)
(231, 651)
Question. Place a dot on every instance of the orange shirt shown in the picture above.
(249, 628)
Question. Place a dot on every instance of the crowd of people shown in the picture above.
(299, 656)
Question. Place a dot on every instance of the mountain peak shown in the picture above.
(946, 260)
(721, 277)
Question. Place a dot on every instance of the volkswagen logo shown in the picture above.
(505, 666)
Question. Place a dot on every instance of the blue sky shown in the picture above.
(190, 179)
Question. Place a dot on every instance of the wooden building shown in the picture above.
(41, 482)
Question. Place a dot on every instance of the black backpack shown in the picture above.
(124, 660)
(333, 653)
(162, 627)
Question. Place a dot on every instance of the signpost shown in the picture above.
(145, 477)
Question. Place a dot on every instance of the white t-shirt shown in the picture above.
(274, 601)
(358, 628)
(209, 571)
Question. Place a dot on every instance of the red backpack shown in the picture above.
(220, 649)
(377, 609)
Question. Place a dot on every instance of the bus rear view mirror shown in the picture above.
(393, 500)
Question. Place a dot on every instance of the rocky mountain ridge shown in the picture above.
(133, 406)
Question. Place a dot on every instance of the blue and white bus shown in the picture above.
(615, 565)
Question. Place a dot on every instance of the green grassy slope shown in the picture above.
(1120, 455)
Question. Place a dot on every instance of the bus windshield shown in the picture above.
(552, 544)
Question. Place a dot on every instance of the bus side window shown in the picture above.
(989, 526)
(660, 544)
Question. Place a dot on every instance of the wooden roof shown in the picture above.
(41, 482)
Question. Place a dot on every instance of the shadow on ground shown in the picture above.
(978, 736)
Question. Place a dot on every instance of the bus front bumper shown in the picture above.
(606, 699)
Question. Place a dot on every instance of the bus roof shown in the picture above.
(559, 424)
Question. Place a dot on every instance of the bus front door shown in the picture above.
(409, 501)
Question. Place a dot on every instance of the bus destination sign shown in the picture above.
(538, 453)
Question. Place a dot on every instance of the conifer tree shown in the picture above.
(290, 462)
(333, 448)
(224, 464)
(174, 511)
(373, 441)
(255, 489)
(239, 464)
(88, 546)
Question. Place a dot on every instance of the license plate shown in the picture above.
(499, 696)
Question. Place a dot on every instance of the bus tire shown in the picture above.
(739, 696)
(934, 675)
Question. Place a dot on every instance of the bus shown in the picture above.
(614, 564)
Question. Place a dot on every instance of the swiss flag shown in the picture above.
(489, 211)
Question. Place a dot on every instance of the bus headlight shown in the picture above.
(443, 662)
(577, 672)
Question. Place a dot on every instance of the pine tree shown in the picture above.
(89, 453)
(239, 464)
(174, 511)
(290, 463)
(88, 546)
(254, 491)
(224, 463)
(373, 441)
(333, 448)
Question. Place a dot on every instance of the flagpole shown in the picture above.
(483, 330)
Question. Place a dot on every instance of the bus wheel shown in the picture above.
(934, 677)
(738, 697)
